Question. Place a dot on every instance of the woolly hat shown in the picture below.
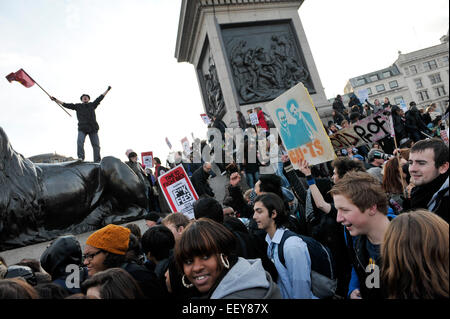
(111, 238)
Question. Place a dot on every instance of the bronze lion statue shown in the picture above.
(39, 202)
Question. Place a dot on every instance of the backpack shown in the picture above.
(323, 278)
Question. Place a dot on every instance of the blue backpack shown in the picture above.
(323, 277)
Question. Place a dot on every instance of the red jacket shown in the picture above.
(262, 120)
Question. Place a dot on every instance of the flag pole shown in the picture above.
(46, 93)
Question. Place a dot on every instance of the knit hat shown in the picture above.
(111, 238)
(127, 153)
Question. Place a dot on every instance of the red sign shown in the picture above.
(178, 191)
(147, 159)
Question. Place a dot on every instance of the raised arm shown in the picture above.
(70, 106)
(315, 192)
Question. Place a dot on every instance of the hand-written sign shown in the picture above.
(178, 191)
(300, 127)
(365, 131)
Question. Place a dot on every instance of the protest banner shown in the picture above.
(365, 131)
(205, 119)
(168, 143)
(253, 118)
(186, 146)
(300, 127)
(147, 159)
(178, 191)
(363, 95)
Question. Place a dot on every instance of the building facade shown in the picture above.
(421, 76)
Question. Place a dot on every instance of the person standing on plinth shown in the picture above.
(87, 123)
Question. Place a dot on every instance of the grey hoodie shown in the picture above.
(247, 279)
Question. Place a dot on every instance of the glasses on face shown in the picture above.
(88, 257)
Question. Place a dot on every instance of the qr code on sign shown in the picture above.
(182, 195)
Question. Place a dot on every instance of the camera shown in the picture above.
(379, 155)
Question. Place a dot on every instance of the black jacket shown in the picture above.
(63, 251)
(414, 121)
(199, 180)
(422, 195)
(399, 125)
(87, 121)
(338, 106)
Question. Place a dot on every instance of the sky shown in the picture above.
(72, 47)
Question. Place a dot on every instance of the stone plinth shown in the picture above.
(246, 53)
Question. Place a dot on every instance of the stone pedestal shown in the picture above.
(246, 53)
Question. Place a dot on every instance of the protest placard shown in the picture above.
(147, 159)
(178, 191)
(168, 143)
(300, 127)
(365, 131)
(253, 118)
(186, 146)
(205, 119)
(403, 106)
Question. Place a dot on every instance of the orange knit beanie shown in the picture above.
(111, 238)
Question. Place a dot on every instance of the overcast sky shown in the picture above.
(72, 47)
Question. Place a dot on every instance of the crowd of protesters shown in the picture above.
(372, 224)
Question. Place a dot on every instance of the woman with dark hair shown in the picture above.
(415, 257)
(241, 120)
(394, 184)
(206, 255)
(114, 283)
(114, 246)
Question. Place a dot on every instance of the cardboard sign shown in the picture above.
(168, 143)
(365, 131)
(178, 191)
(186, 146)
(300, 127)
(253, 118)
(147, 159)
(205, 119)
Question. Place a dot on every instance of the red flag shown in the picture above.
(22, 77)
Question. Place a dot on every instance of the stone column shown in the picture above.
(246, 53)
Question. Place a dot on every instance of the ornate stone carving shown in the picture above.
(265, 61)
(214, 101)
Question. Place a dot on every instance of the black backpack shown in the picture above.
(323, 275)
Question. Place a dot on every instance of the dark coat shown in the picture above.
(414, 121)
(151, 286)
(87, 121)
(399, 125)
(199, 180)
(338, 106)
(62, 252)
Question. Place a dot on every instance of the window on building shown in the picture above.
(445, 60)
(440, 91)
(435, 78)
(393, 84)
(418, 83)
(430, 65)
(380, 88)
(423, 95)
(413, 69)
(398, 99)
(369, 91)
(374, 77)
(406, 71)
(361, 81)
(386, 74)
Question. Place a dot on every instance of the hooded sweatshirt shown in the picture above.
(62, 252)
(247, 279)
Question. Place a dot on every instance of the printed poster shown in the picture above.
(300, 127)
(147, 159)
(178, 191)
(205, 119)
